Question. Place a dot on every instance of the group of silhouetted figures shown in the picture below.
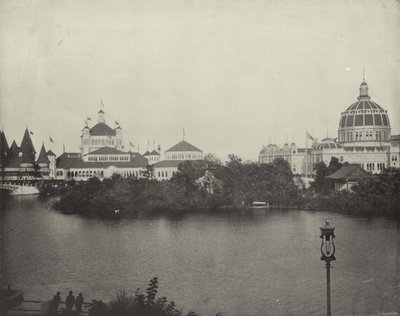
(70, 302)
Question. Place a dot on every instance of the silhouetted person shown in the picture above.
(79, 303)
(56, 302)
(70, 301)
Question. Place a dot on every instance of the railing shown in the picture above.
(8, 186)
(35, 307)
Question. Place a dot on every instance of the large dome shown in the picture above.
(364, 120)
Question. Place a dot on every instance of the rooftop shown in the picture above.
(107, 151)
(102, 129)
(350, 172)
(183, 146)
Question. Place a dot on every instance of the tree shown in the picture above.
(213, 161)
(319, 184)
(149, 172)
(334, 165)
(188, 172)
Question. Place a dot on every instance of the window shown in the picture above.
(380, 166)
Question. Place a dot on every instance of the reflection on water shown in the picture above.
(262, 263)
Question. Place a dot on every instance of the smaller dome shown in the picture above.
(328, 143)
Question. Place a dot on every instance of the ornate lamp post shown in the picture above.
(328, 255)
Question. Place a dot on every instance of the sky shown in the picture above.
(235, 75)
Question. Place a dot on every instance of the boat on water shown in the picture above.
(257, 205)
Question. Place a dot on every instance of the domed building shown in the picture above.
(363, 139)
(326, 149)
(364, 133)
(100, 135)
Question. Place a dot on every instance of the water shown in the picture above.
(265, 263)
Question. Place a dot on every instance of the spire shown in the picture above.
(27, 149)
(43, 159)
(27, 142)
(100, 118)
(3, 150)
(363, 72)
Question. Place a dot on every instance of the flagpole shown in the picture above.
(306, 156)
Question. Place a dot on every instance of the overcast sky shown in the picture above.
(234, 74)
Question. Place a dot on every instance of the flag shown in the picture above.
(30, 132)
(130, 144)
(101, 103)
(51, 140)
(88, 119)
(117, 123)
(309, 136)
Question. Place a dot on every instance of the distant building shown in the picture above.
(299, 159)
(101, 155)
(100, 135)
(363, 139)
(102, 163)
(348, 176)
(394, 157)
(152, 157)
(19, 162)
(165, 169)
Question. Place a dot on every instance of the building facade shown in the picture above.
(364, 138)
(100, 135)
(101, 155)
(165, 169)
(19, 163)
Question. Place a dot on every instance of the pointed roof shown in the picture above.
(154, 152)
(183, 146)
(27, 142)
(51, 153)
(14, 149)
(27, 149)
(147, 153)
(43, 156)
(3, 150)
(13, 155)
(3, 143)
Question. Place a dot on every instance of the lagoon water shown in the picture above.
(261, 263)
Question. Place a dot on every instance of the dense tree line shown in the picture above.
(205, 184)
(373, 196)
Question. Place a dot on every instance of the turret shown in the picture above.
(43, 161)
(364, 91)
(27, 151)
(100, 117)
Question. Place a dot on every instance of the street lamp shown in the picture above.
(328, 255)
